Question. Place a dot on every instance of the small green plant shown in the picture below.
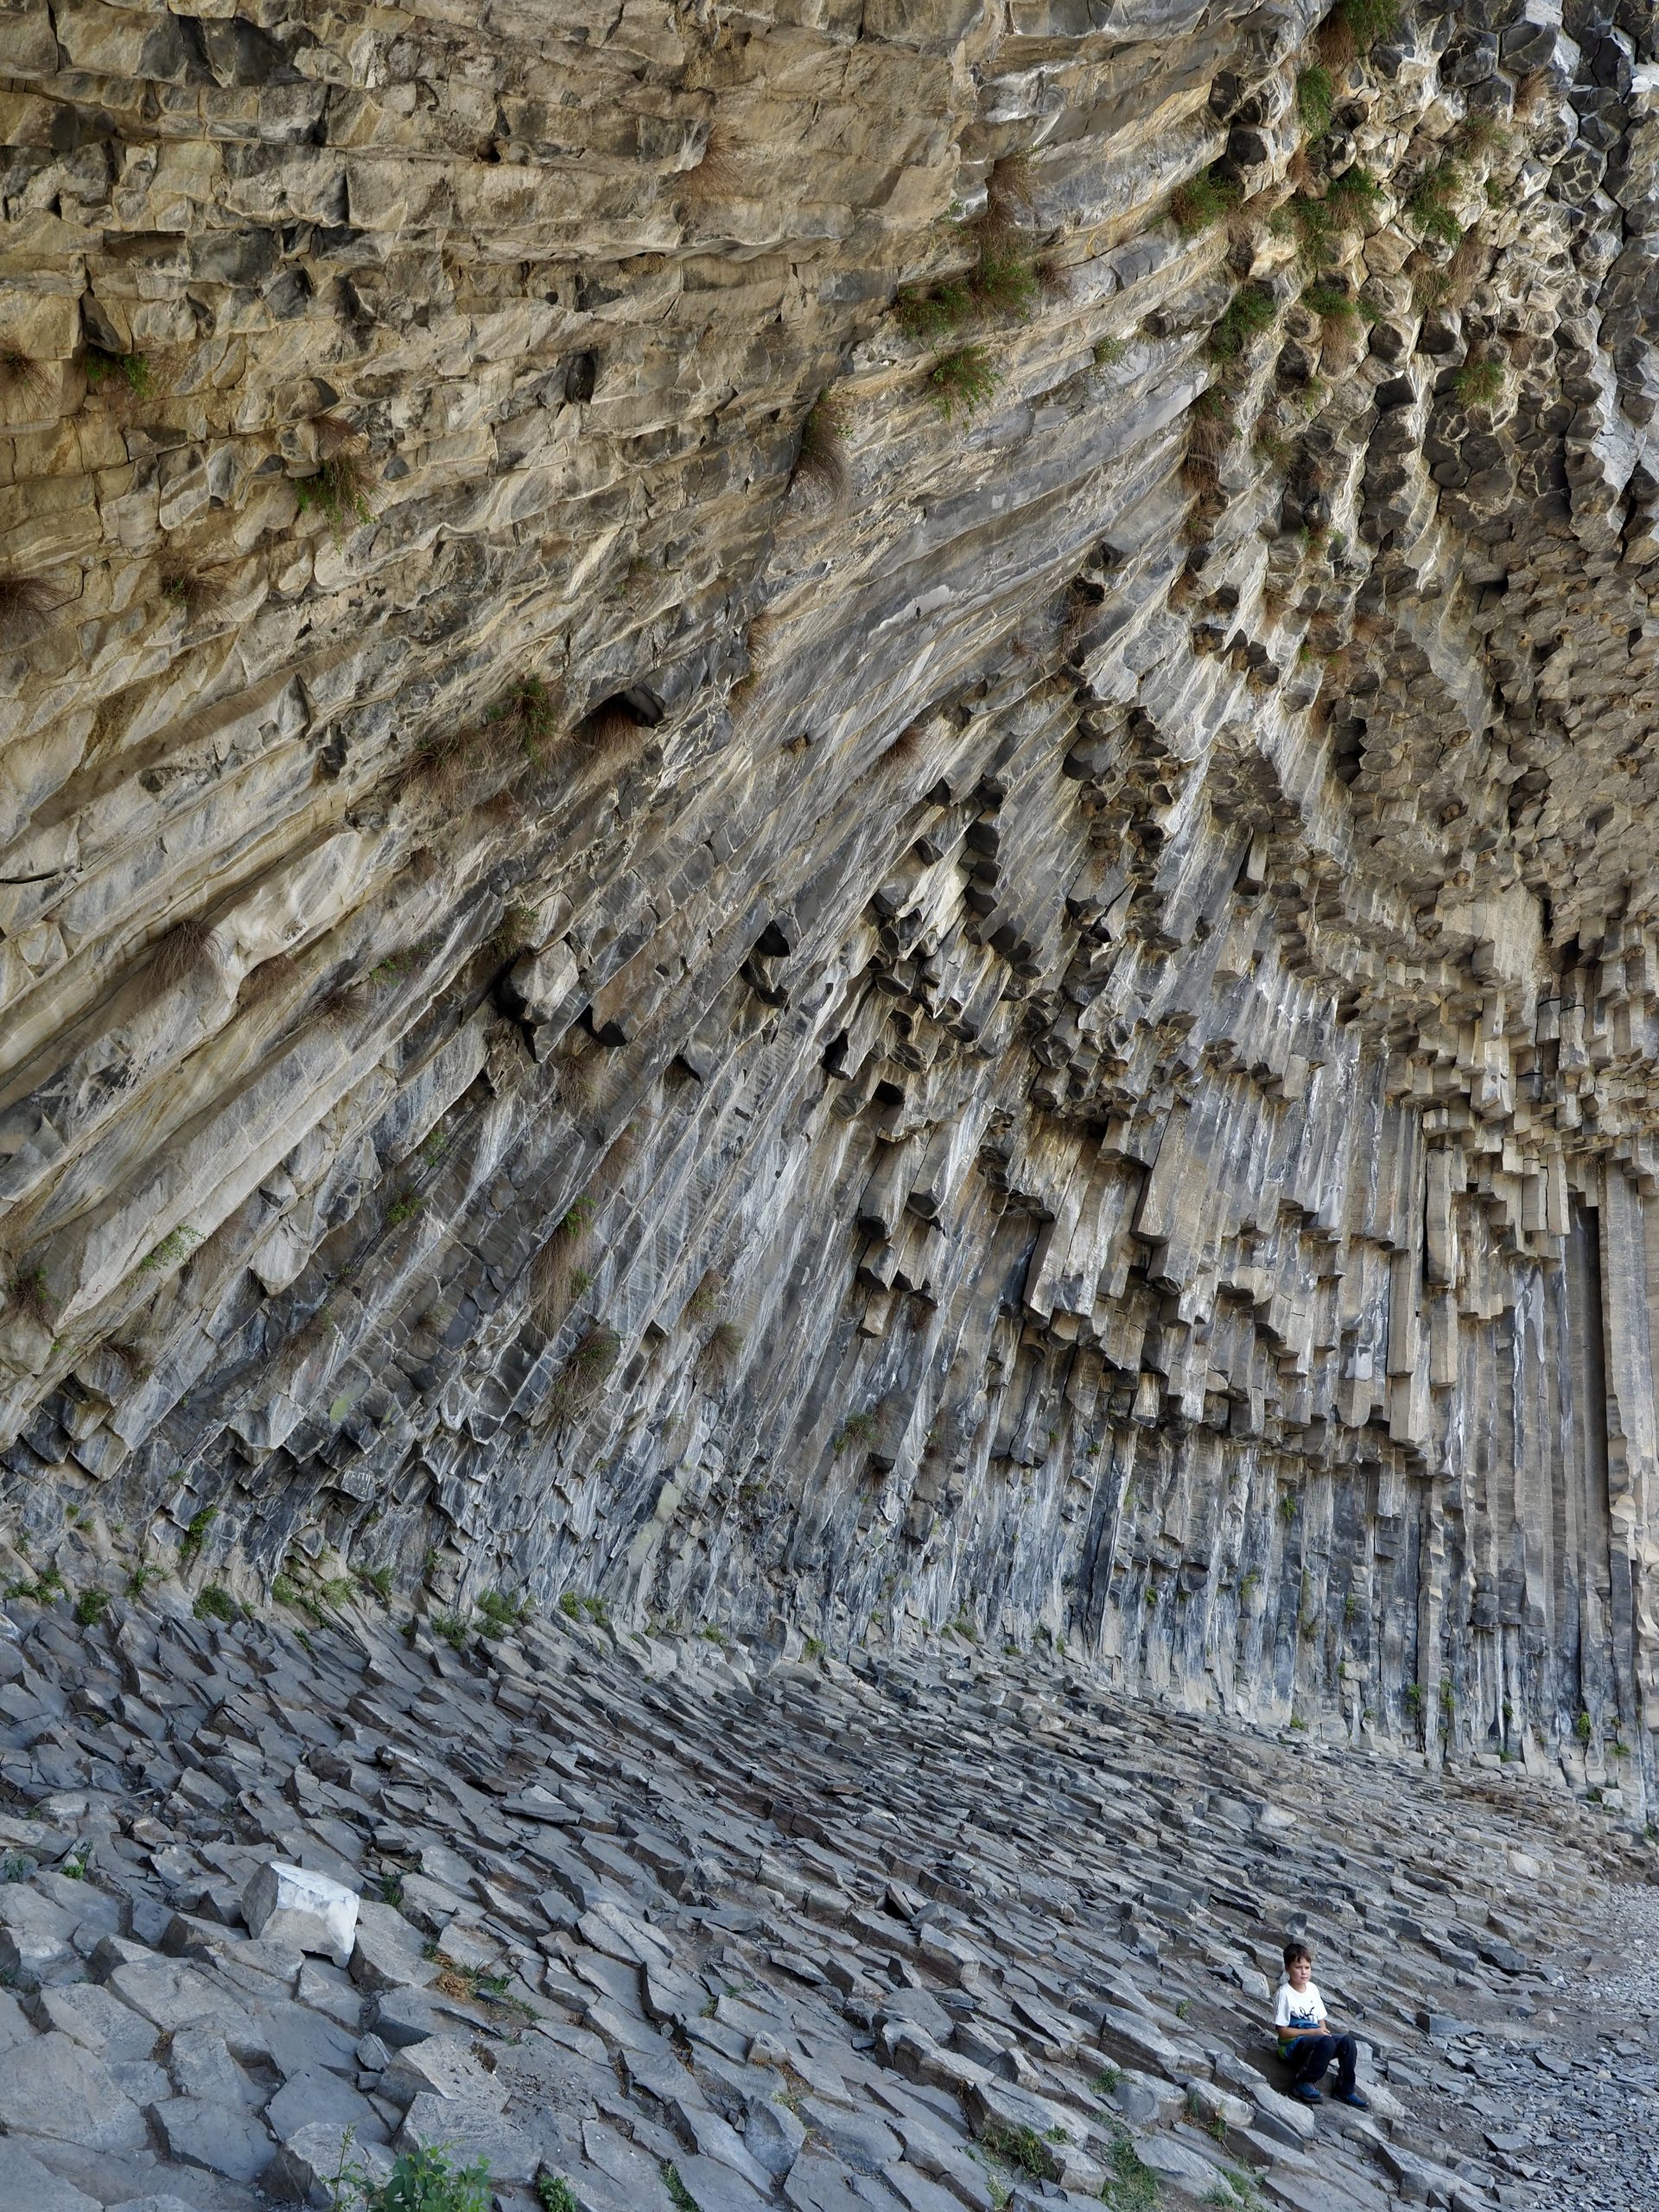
(195, 1532)
(1367, 21)
(1250, 311)
(555, 2194)
(1329, 304)
(140, 1578)
(529, 705)
(1202, 200)
(679, 2195)
(91, 1607)
(377, 1579)
(1315, 98)
(392, 1888)
(216, 1605)
(1182, 2008)
(1496, 196)
(935, 311)
(1448, 1696)
(962, 381)
(1414, 1696)
(172, 1248)
(1584, 1728)
(1299, 1725)
(1478, 383)
(577, 1219)
(1109, 352)
(1353, 195)
(1430, 207)
(496, 1614)
(1104, 2080)
(339, 493)
(812, 1647)
(592, 1357)
(857, 1428)
(1005, 280)
(1288, 1505)
(1132, 2186)
(452, 1627)
(1022, 2147)
(405, 1208)
(17, 1866)
(132, 368)
(73, 1868)
(420, 2181)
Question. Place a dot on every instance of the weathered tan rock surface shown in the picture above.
(1043, 1012)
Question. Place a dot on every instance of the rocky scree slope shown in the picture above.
(844, 822)
(672, 1924)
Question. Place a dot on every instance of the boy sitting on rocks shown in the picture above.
(1306, 2042)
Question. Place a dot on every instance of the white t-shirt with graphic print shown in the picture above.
(1298, 2008)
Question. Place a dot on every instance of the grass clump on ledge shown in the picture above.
(132, 368)
(1430, 207)
(1367, 21)
(1006, 281)
(496, 1613)
(1250, 311)
(962, 381)
(1202, 200)
(1354, 193)
(339, 493)
(1478, 383)
(1315, 99)
(935, 311)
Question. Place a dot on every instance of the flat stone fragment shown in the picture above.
(53, 2087)
(467, 2132)
(304, 2170)
(318, 2096)
(224, 2138)
(292, 1906)
(27, 2186)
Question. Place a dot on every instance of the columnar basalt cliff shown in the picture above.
(844, 817)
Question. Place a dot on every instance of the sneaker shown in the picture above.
(1304, 2093)
(1350, 2097)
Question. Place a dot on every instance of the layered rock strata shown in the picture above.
(844, 823)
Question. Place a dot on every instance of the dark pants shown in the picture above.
(1311, 2058)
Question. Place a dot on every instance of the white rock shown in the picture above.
(291, 1905)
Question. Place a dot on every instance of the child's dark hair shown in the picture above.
(1296, 1949)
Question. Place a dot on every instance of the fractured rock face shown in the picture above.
(848, 823)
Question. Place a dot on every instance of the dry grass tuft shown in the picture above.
(27, 1294)
(557, 1279)
(1463, 271)
(907, 744)
(608, 728)
(722, 1347)
(180, 953)
(193, 591)
(581, 1081)
(614, 1164)
(272, 975)
(26, 385)
(820, 463)
(25, 604)
(1009, 194)
(715, 176)
(1335, 42)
